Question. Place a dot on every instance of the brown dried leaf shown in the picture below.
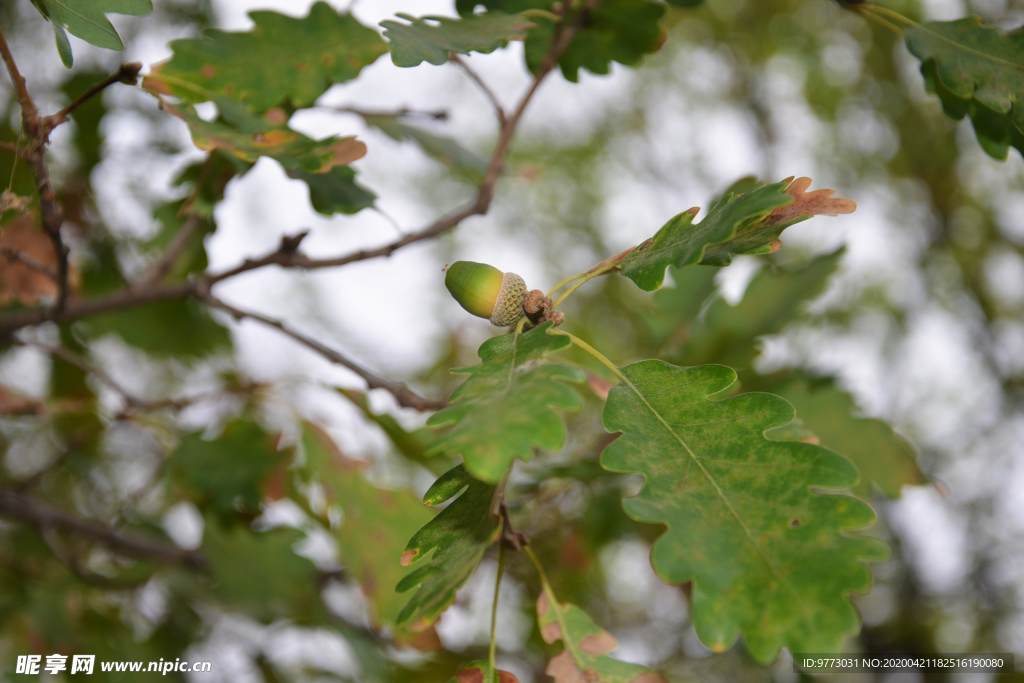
(817, 203)
(18, 281)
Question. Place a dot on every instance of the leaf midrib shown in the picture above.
(718, 489)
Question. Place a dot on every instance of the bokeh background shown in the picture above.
(921, 322)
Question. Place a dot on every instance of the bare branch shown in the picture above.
(127, 73)
(484, 88)
(159, 268)
(28, 107)
(45, 516)
(403, 395)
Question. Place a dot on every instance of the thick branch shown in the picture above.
(403, 395)
(45, 516)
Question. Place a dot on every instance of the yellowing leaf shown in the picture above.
(280, 60)
(321, 164)
(769, 554)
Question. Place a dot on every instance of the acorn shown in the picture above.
(487, 292)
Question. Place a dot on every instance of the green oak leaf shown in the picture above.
(483, 672)
(281, 60)
(883, 457)
(620, 31)
(585, 657)
(375, 524)
(747, 219)
(321, 164)
(87, 19)
(506, 408)
(228, 471)
(976, 71)
(727, 333)
(455, 541)
(430, 39)
(768, 556)
(259, 573)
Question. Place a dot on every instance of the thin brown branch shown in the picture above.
(28, 107)
(403, 395)
(50, 211)
(12, 254)
(160, 267)
(45, 516)
(72, 358)
(484, 88)
(127, 73)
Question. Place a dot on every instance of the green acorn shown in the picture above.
(486, 292)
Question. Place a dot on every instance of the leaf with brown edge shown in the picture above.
(817, 203)
(481, 672)
(747, 219)
(321, 164)
(585, 657)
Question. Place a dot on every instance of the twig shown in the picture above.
(403, 395)
(13, 254)
(484, 88)
(24, 98)
(127, 73)
(159, 268)
(45, 516)
(49, 208)
(133, 403)
(72, 358)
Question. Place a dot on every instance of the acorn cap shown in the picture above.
(486, 292)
